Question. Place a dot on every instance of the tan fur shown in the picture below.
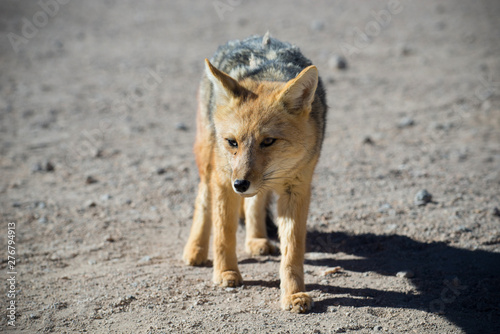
(249, 112)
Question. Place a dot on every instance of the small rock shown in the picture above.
(92, 262)
(377, 328)
(145, 259)
(90, 180)
(128, 201)
(47, 166)
(16, 204)
(41, 205)
(60, 305)
(404, 50)
(337, 62)
(99, 153)
(109, 238)
(384, 208)
(124, 301)
(332, 271)
(462, 229)
(42, 220)
(161, 171)
(106, 197)
(406, 123)
(317, 25)
(181, 126)
(37, 168)
(368, 140)
(406, 274)
(496, 212)
(229, 289)
(422, 197)
(331, 309)
(90, 204)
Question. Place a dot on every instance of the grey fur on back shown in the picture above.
(263, 58)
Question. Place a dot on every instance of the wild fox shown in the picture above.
(260, 127)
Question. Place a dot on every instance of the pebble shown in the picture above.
(332, 271)
(422, 197)
(37, 168)
(368, 140)
(406, 123)
(405, 50)
(49, 166)
(384, 208)
(331, 309)
(41, 205)
(92, 262)
(109, 238)
(106, 197)
(42, 220)
(337, 62)
(90, 204)
(496, 212)
(145, 259)
(317, 25)
(46, 166)
(406, 274)
(181, 126)
(377, 328)
(90, 180)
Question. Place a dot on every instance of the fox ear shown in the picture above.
(298, 93)
(225, 87)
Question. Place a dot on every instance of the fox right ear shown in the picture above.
(298, 94)
(225, 87)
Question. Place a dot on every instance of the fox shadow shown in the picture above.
(460, 284)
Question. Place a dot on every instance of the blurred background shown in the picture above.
(97, 123)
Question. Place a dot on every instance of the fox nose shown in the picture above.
(241, 185)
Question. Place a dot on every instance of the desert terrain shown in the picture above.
(98, 179)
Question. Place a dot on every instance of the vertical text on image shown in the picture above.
(11, 274)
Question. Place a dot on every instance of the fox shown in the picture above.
(260, 126)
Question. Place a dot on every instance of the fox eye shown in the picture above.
(232, 142)
(268, 142)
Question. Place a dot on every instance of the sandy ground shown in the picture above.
(97, 175)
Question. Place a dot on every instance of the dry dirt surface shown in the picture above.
(98, 180)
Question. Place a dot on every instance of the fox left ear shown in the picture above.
(298, 94)
(225, 87)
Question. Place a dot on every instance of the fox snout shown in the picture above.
(244, 181)
(241, 186)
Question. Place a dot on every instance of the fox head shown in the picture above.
(264, 128)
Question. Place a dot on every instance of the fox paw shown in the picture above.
(299, 302)
(195, 255)
(229, 279)
(260, 246)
